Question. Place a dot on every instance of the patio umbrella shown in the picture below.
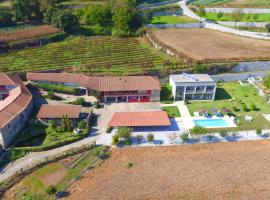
(226, 110)
(214, 110)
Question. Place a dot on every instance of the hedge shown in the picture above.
(58, 88)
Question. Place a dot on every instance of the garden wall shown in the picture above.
(186, 25)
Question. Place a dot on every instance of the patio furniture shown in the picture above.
(248, 118)
(196, 114)
(206, 114)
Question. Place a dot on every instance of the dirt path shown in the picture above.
(208, 171)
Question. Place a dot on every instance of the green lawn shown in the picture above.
(172, 111)
(170, 19)
(265, 17)
(231, 95)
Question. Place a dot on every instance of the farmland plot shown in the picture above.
(98, 55)
(207, 45)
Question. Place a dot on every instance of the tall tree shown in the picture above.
(67, 21)
(124, 11)
(5, 17)
(21, 9)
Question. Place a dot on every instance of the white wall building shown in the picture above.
(192, 87)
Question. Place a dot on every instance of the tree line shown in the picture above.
(119, 17)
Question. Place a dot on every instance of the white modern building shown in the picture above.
(192, 87)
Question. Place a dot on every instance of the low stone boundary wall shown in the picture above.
(245, 24)
(145, 5)
(165, 13)
(252, 66)
(242, 10)
(187, 25)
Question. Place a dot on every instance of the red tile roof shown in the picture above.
(102, 84)
(16, 103)
(57, 111)
(132, 119)
(5, 80)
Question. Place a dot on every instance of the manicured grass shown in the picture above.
(95, 55)
(231, 95)
(172, 111)
(265, 17)
(170, 19)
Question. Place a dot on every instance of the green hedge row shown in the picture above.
(58, 88)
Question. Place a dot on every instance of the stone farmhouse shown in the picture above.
(15, 107)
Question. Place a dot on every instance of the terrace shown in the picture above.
(235, 100)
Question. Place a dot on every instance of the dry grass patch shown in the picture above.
(205, 171)
(207, 45)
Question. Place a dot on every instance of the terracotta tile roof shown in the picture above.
(128, 83)
(16, 102)
(102, 84)
(5, 80)
(57, 111)
(132, 119)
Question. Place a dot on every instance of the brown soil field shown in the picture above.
(207, 45)
(36, 32)
(228, 171)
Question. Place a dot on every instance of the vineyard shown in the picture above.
(96, 55)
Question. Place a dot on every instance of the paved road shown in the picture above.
(36, 157)
(210, 25)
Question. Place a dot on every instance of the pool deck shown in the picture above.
(187, 119)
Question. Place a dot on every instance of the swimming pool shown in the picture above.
(211, 123)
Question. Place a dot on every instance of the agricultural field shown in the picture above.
(208, 45)
(189, 172)
(170, 19)
(59, 174)
(96, 55)
(234, 3)
(27, 32)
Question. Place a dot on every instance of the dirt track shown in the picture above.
(204, 44)
(214, 171)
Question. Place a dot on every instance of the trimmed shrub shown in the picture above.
(79, 101)
(139, 138)
(109, 129)
(51, 189)
(244, 107)
(198, 130)
(223, 133)
(82, 124)
(258, 131)
(253, 107)
(150, 137)
(124, 132)
(128, 165)
(184, 137)
(115, 139)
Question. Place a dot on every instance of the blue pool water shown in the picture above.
(208, 123)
